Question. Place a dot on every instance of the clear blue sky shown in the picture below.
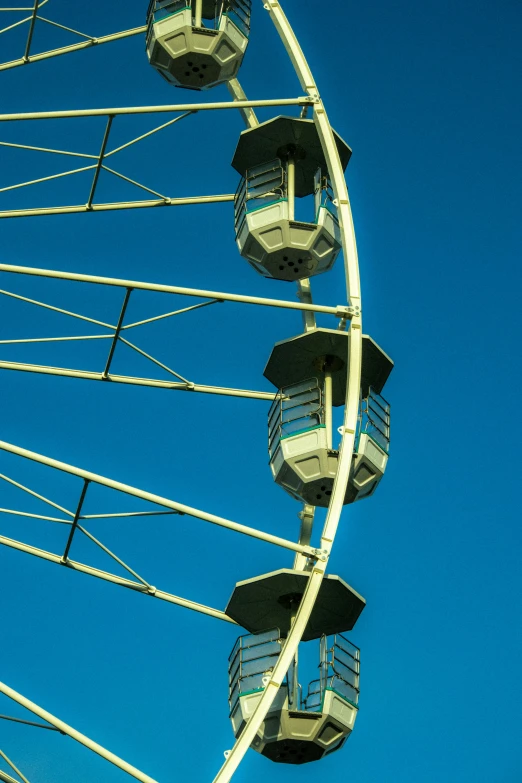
(426, 95)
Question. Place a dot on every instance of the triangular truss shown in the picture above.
(31, 20)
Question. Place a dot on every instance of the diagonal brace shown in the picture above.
(75, 520)
(100, 161)
(116, 335)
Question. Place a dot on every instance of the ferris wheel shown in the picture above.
(292, 221)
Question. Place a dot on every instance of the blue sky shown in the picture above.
(426, 95)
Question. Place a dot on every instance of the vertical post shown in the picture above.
(198, 13)
(301, 561)
(304, 294)
(293, 687)
(290, 186)
(328, 407)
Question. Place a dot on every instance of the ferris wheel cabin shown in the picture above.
(197, 43)
(282, 160)
(310, 371)
(297, 728)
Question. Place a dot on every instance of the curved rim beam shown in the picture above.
(235, 756)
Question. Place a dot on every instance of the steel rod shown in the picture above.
(71, 47)
(155, 361)
(106, 576)
(75, 735)
(169, 315)
(149, 133)
(116, 334)
(110, 207)
(129, 514)
(13, 767)
(56, 339)
(29, 723)
(237, 93)
(75, 520)
(46, 179)
(134, 182)
(304, 294)
(339, 310)
(114, 557)
(100, 161)
(88, 375)
(290, 186)
(36, 495)
(47, 149)
(328, 407)
(182, 107)
(198, 20)
(5, 778)
(34, 516)
(56, 309)
(68, 29)
(31, 30)
(157, 499)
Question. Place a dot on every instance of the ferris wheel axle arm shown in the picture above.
(183, 107)
(341, 311)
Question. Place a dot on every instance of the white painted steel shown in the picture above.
(328, 407)
(89, 375)
(7, 778)
(13, 767)
(70, 48)
(75, 735)
(106, 576)
(296, 55)
(112, 206)
(341, 311)
(352, 395)
(183, 107)
(160, 501)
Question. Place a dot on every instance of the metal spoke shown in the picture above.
(174, 312)
(106, 576)
(56, 309)
(149, 133)
(103, 39)
(13, 767)
(47, 149)
(29, 723)
(34, 516)
(31, 30)
(35, 494)
(76, 735)
(133, 182)
(75, 520)
(56, 339)
(100, 161)
(89, 375)
(117, 332)
(341, 311)
(15, 24)
(130, 514)
(114, 557)
(155, 361)
(158, 500)
(69, 29)
(46, 179)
